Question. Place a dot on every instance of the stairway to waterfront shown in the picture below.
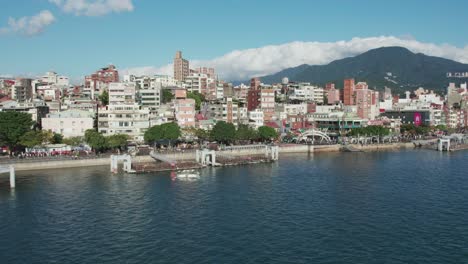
(163, 158)
(349, 148)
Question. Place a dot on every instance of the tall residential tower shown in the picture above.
(348, 92)
(181, 67)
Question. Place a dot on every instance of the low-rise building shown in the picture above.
(36, 108)
(72, 123)
(336, 122)
(306, 92)
(414, 117)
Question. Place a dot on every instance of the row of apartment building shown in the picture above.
(135, 103)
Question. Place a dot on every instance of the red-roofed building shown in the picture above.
(295, 122)
(199, 117)
(4, 99)
(100, 79)
(272, 124)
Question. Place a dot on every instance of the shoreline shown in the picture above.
(190, 156)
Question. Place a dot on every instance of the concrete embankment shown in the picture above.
(327, 148)
(292, 148)
(389, 146)
(190, 155)
(296, 149)
(60, 164)
(337, 147)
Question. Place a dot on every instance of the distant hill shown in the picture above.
(394, 67)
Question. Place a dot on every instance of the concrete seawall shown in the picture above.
(261, 151)
(378, 147)
(296, 149)
(61, 164)
(190, 155)
(327, 148)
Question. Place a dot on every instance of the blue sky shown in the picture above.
(75, 44)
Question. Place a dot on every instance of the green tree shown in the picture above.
(171, 131)
(153, 134)
(47, 136)
(408, 129)
(13, 125)
(167, 96)
(245, 132)
(32, 138)
(202, 135)
(199, 98)
(118, 141)
(96, 140)
(56, 138)
(267, 133)
(422, 130)
(223, 132)
(370, 131)
(168, 131)
(40, 137)
(414, 130)
(104, 97)
(73, 141)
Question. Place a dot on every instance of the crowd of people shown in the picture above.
(45, 154)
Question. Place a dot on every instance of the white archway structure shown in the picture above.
(444, 144)
(127, 163)
(206, 157)
(314, 133)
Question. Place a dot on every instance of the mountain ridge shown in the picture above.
(394, 67)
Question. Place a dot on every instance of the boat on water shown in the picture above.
(188, 175)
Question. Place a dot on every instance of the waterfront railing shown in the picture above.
(16, 160)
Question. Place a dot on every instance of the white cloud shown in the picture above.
(244, 64)
(94, 7)
(29, 25)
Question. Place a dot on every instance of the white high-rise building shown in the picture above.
(123, 115)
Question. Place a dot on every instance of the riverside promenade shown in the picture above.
(185, 155)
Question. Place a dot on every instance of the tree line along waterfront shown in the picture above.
(18, 132)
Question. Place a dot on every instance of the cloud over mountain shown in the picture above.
(94, 7)
(243, 64)
(29, 26)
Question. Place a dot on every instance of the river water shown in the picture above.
(380, 207)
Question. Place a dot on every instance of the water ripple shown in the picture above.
(385, 207)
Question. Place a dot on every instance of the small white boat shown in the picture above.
(188, 174)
